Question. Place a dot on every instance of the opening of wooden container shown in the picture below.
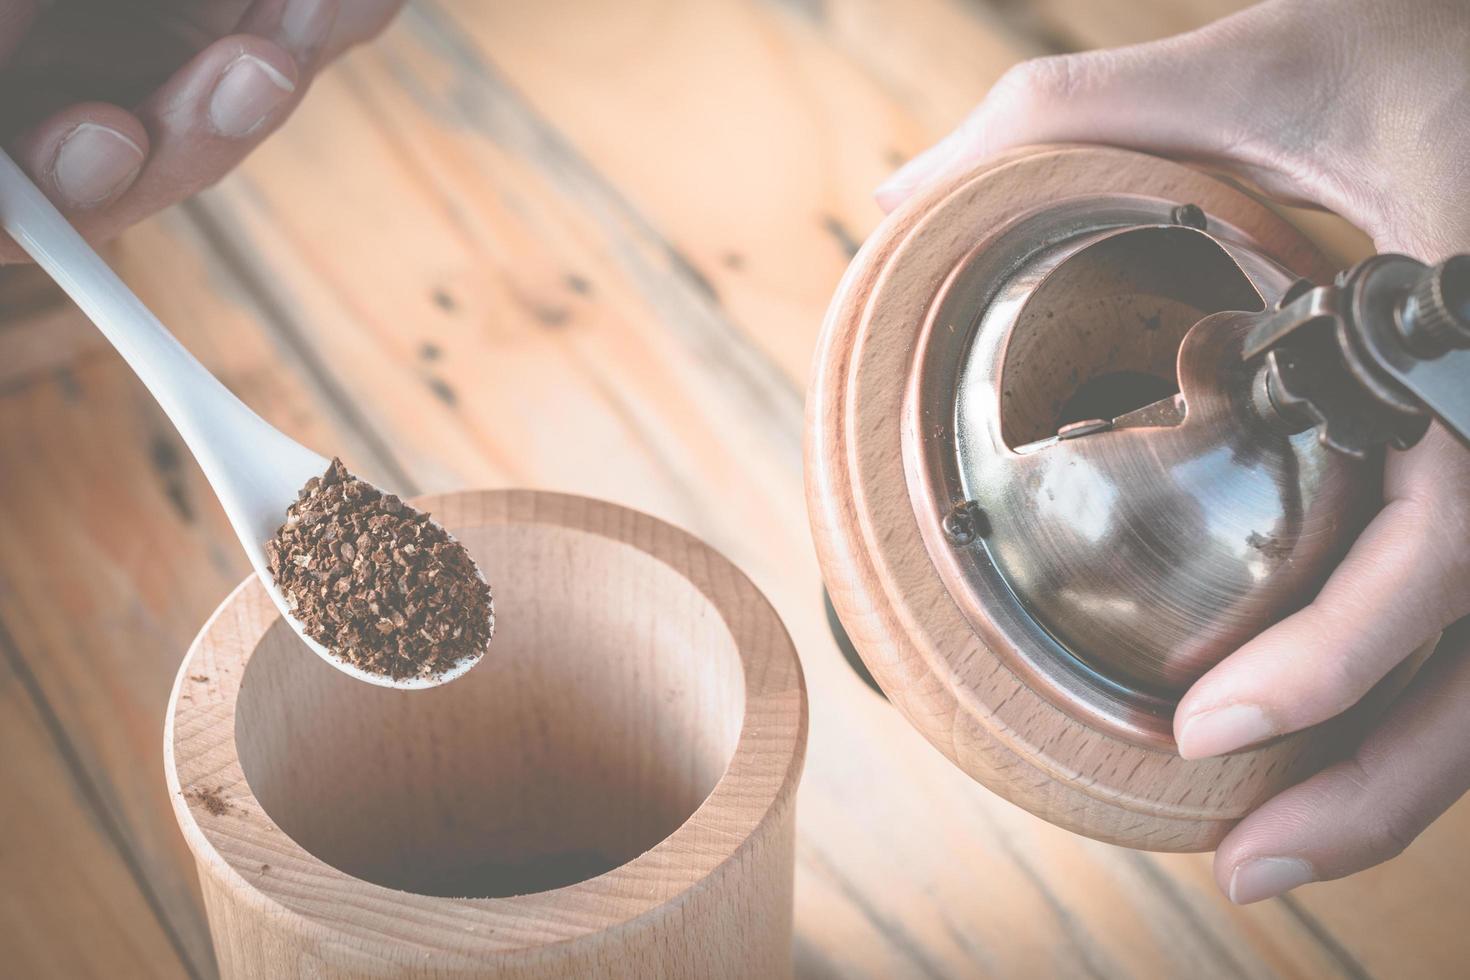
(612, 785)
(592, 732)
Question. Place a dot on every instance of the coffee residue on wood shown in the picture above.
(377, 582)
(212, 800)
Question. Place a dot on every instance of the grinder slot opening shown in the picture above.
(1100, 335)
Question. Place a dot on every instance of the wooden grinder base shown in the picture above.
(634, 736)
(933, 664)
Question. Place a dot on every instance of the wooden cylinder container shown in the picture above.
(609, 793)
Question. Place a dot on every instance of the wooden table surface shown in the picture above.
(587, 247)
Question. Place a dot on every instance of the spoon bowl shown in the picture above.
(255, 469)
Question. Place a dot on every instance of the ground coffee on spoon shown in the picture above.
(377, 582)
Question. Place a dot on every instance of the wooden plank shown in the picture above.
(932, 58)
(1404, 918)
(113, 550)
(1111, 23)
(663, 371)
(750, 141)
(44, 341)
(70, 905)
(455, 292)
(580, 356)
(83, 587)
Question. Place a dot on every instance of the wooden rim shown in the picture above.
(891, 598)
(757, 785)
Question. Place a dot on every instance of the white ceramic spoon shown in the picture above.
(254, 468)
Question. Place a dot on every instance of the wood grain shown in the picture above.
(656, 339)
(437, 270)
(643, 711)
(812, 105)
(59, 863)
(113, 549)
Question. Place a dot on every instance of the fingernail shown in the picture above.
(249, 92)
(93, 164)
(306, 23)
(1222, 730)
(1268, 877)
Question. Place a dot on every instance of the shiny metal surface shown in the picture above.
(1122, 560)
(1153, 552)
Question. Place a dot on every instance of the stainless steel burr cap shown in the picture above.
(1082, 400)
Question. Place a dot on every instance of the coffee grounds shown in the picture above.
(376, 582)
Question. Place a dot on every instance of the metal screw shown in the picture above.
(965, 523)
(1188, 215)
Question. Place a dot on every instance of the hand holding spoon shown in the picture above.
(254, 468)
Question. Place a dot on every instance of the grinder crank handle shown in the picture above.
(1371, 358)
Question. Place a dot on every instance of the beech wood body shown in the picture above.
(947, 677)
(641, 718)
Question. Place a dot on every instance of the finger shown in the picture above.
(206, 118)
(1126, 97)
(1367, 809)
(85, 156)
(360, 21)
(192, 130)
(212, 112)
(302, 28)
(1182, 96)
(202, 122)
(1404, 579)
(198, 126)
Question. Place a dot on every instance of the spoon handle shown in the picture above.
(254, 468)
